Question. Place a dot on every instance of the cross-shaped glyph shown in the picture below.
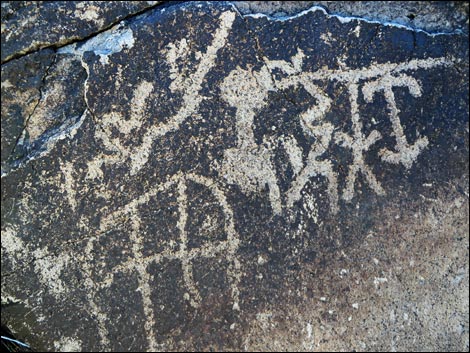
(358, 144)
(380, 77)
(377, 78)
(138, 264)
(406, 153)
(250, 165)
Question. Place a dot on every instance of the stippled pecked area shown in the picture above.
(196, 179)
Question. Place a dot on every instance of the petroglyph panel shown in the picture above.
(178, 181)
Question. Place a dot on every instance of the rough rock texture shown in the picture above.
(30, 25)
(436, 16)
(195, 179)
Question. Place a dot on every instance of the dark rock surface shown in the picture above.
(31, 25)
(193, 179)
(430, 16)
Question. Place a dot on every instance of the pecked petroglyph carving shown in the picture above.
(191, 98)
(139, 264)
(220, 167)
(406, 154)
(138, 156)
(257, 165)
(249, 164)
(358, 143)
(312, 122)
(50, 266)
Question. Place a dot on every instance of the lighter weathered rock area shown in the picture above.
(31, 25)
(193, 179)
(449, 16)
